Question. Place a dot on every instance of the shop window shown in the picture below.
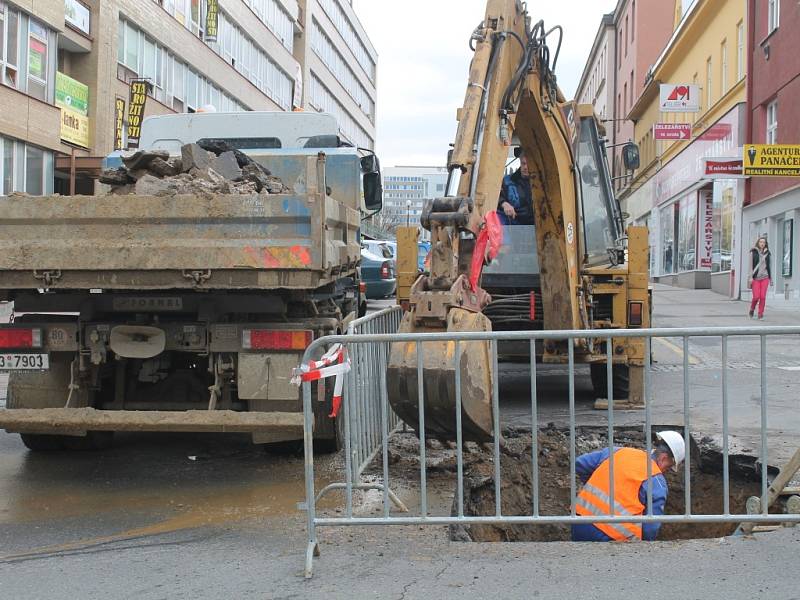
(687, 233)
(667, 220)
(722, 248)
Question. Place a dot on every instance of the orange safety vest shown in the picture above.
(630, 471)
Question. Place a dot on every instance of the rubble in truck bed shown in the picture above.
(211, 167)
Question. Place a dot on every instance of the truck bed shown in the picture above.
(293, 241)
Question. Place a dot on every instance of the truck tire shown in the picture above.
(49, 389)
(328, 432)
(41, 443)
(620, 381)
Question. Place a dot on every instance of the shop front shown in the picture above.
(693, 220)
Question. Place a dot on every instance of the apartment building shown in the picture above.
(29, 119)
(772, 204)
(79, 58)
(691, 213)
(406, 189)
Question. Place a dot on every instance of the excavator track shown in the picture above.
(439, 379)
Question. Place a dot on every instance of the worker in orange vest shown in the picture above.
(630, 488)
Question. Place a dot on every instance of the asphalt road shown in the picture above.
(208, 516)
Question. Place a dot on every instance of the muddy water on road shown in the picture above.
(150, 484)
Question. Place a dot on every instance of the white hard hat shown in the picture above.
(207, 108)
(677, 446)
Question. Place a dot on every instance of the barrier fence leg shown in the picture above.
(312, 549)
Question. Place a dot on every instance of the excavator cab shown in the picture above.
(571, 272)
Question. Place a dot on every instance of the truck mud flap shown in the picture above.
(77, 421)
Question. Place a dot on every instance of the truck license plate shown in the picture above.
(24, 362)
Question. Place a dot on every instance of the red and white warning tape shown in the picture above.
(334, 363)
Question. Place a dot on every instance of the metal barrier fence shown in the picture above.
(369, 422)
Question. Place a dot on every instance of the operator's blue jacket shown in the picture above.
(585, 465)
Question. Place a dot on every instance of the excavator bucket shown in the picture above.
(439, 379)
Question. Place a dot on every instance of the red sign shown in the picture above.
(723, 168)
(672, 131)
(718, 131)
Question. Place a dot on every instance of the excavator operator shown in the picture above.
(516, 200)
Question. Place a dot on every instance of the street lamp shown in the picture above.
(408, 213)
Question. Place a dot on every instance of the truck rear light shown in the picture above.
(533, 306)
(386, 271)
(362, 287)
(271, 339)
(20, 338)
(635, 314)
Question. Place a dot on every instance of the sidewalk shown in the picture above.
(681, 307)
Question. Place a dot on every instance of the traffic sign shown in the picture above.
(672, 131)
(771, 160)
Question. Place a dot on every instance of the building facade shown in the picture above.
(29, 119)
(405, 191)
(693, 217)
(264, 55)
(596, 86)
(772, 205)
(642, 29)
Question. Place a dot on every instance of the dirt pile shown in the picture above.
(554, 488)
(212, 167)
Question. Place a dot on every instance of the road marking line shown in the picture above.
(693, 360)
(790, 368)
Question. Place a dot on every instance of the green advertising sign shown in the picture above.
(72, 94)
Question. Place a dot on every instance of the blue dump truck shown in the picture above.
(153, 309)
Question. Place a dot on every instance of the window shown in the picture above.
(277, 20)
(25, 168)
(625, 98)
(34, 171)
(773, 15)
(687, 233)
(37, 60)
(724, 67)
(633, 96)
(724, 209)
(322, 100)
(633, 19)
(144, 57)
(324, 48)
(9, 45)
(740, 51)
(345, 28)
(709, 83)
(7, 165)
(626, 36)
(772, 122)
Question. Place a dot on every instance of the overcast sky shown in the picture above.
(424, 59)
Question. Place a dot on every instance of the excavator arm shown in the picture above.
(511, 97)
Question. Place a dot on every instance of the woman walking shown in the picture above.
(760, 276)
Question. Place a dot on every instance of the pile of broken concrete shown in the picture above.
(210, 167)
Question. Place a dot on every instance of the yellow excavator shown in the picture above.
(592, 273)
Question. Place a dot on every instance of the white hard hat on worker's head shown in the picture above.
(677, 446)
(207, 108)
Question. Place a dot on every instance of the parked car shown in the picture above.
(383, 248)
(423, 249)
(378, 273)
